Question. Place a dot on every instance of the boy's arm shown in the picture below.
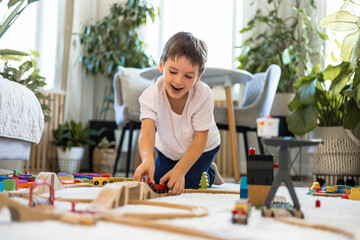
(176, 177)
(146, 149)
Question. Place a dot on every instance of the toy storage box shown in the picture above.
(267, 127)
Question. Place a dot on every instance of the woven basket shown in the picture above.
(338, 155)
(104, 159)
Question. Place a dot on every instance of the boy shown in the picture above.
(177, 119)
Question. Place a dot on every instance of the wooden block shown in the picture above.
(258, 193)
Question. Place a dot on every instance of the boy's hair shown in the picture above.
(185, 44)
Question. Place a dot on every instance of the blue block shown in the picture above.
(243, 193)
(1, 186)
(243, 183)
(3, 177)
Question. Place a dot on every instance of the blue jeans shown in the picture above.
(192, 178)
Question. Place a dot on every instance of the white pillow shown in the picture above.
(132, 86)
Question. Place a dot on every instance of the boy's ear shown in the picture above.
(161, 68)
(198, 79)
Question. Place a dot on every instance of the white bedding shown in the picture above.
(21, 116)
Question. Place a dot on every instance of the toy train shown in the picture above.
(105, 179)
(241, 211)
(18, 180)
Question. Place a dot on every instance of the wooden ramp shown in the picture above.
(22, 213)
(115, 195)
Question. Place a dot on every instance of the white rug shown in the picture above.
(338, 212)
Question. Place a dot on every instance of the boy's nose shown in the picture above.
(178, 80)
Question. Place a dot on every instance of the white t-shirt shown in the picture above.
(174, 132)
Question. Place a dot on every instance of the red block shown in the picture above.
(317, 203)
(344, 196)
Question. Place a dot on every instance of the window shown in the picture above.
(336, 36)
(21, 35)
(214, 21)
(35, 29)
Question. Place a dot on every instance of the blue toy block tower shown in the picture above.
(243, 187)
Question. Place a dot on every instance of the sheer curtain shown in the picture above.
(78, 87)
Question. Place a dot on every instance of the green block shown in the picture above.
(17, 172)
(9, 185)
(32, 177)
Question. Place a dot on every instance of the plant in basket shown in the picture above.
(104, 156)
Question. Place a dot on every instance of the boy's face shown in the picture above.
(180, 76)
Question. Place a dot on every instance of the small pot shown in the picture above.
(70, 159)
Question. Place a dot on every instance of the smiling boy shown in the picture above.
(177, 118)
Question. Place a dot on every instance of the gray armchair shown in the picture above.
(128, 86)
(257, 103)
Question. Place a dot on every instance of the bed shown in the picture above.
(21, 120)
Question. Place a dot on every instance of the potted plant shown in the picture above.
(116, 41)
(287, 42)
(70, 139)
(327, 102)
(27, 74)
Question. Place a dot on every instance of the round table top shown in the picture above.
(211, 76)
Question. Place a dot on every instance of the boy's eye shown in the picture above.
(172, 72)
(189, 77)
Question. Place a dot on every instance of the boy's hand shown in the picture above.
(145, 168)
(175, 181)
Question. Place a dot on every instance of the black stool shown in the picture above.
(131, 126)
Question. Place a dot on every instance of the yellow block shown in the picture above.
(68, 178)
(257, 194)
(355, 194)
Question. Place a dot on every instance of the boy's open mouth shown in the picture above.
(176, 89)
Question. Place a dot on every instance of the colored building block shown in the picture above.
(260, 170)
(3, 177)
(9, 185)
(1, 186)
(330, 189)
(243, 187)
(355, 195)
(17, 172)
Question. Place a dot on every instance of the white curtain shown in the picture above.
(79, 88)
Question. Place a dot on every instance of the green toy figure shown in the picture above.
(204, 183)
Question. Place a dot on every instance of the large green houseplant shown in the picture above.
(287, 42)
(318, 104)
(327, 103)
(116, 41)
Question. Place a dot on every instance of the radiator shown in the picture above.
(43, 155)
